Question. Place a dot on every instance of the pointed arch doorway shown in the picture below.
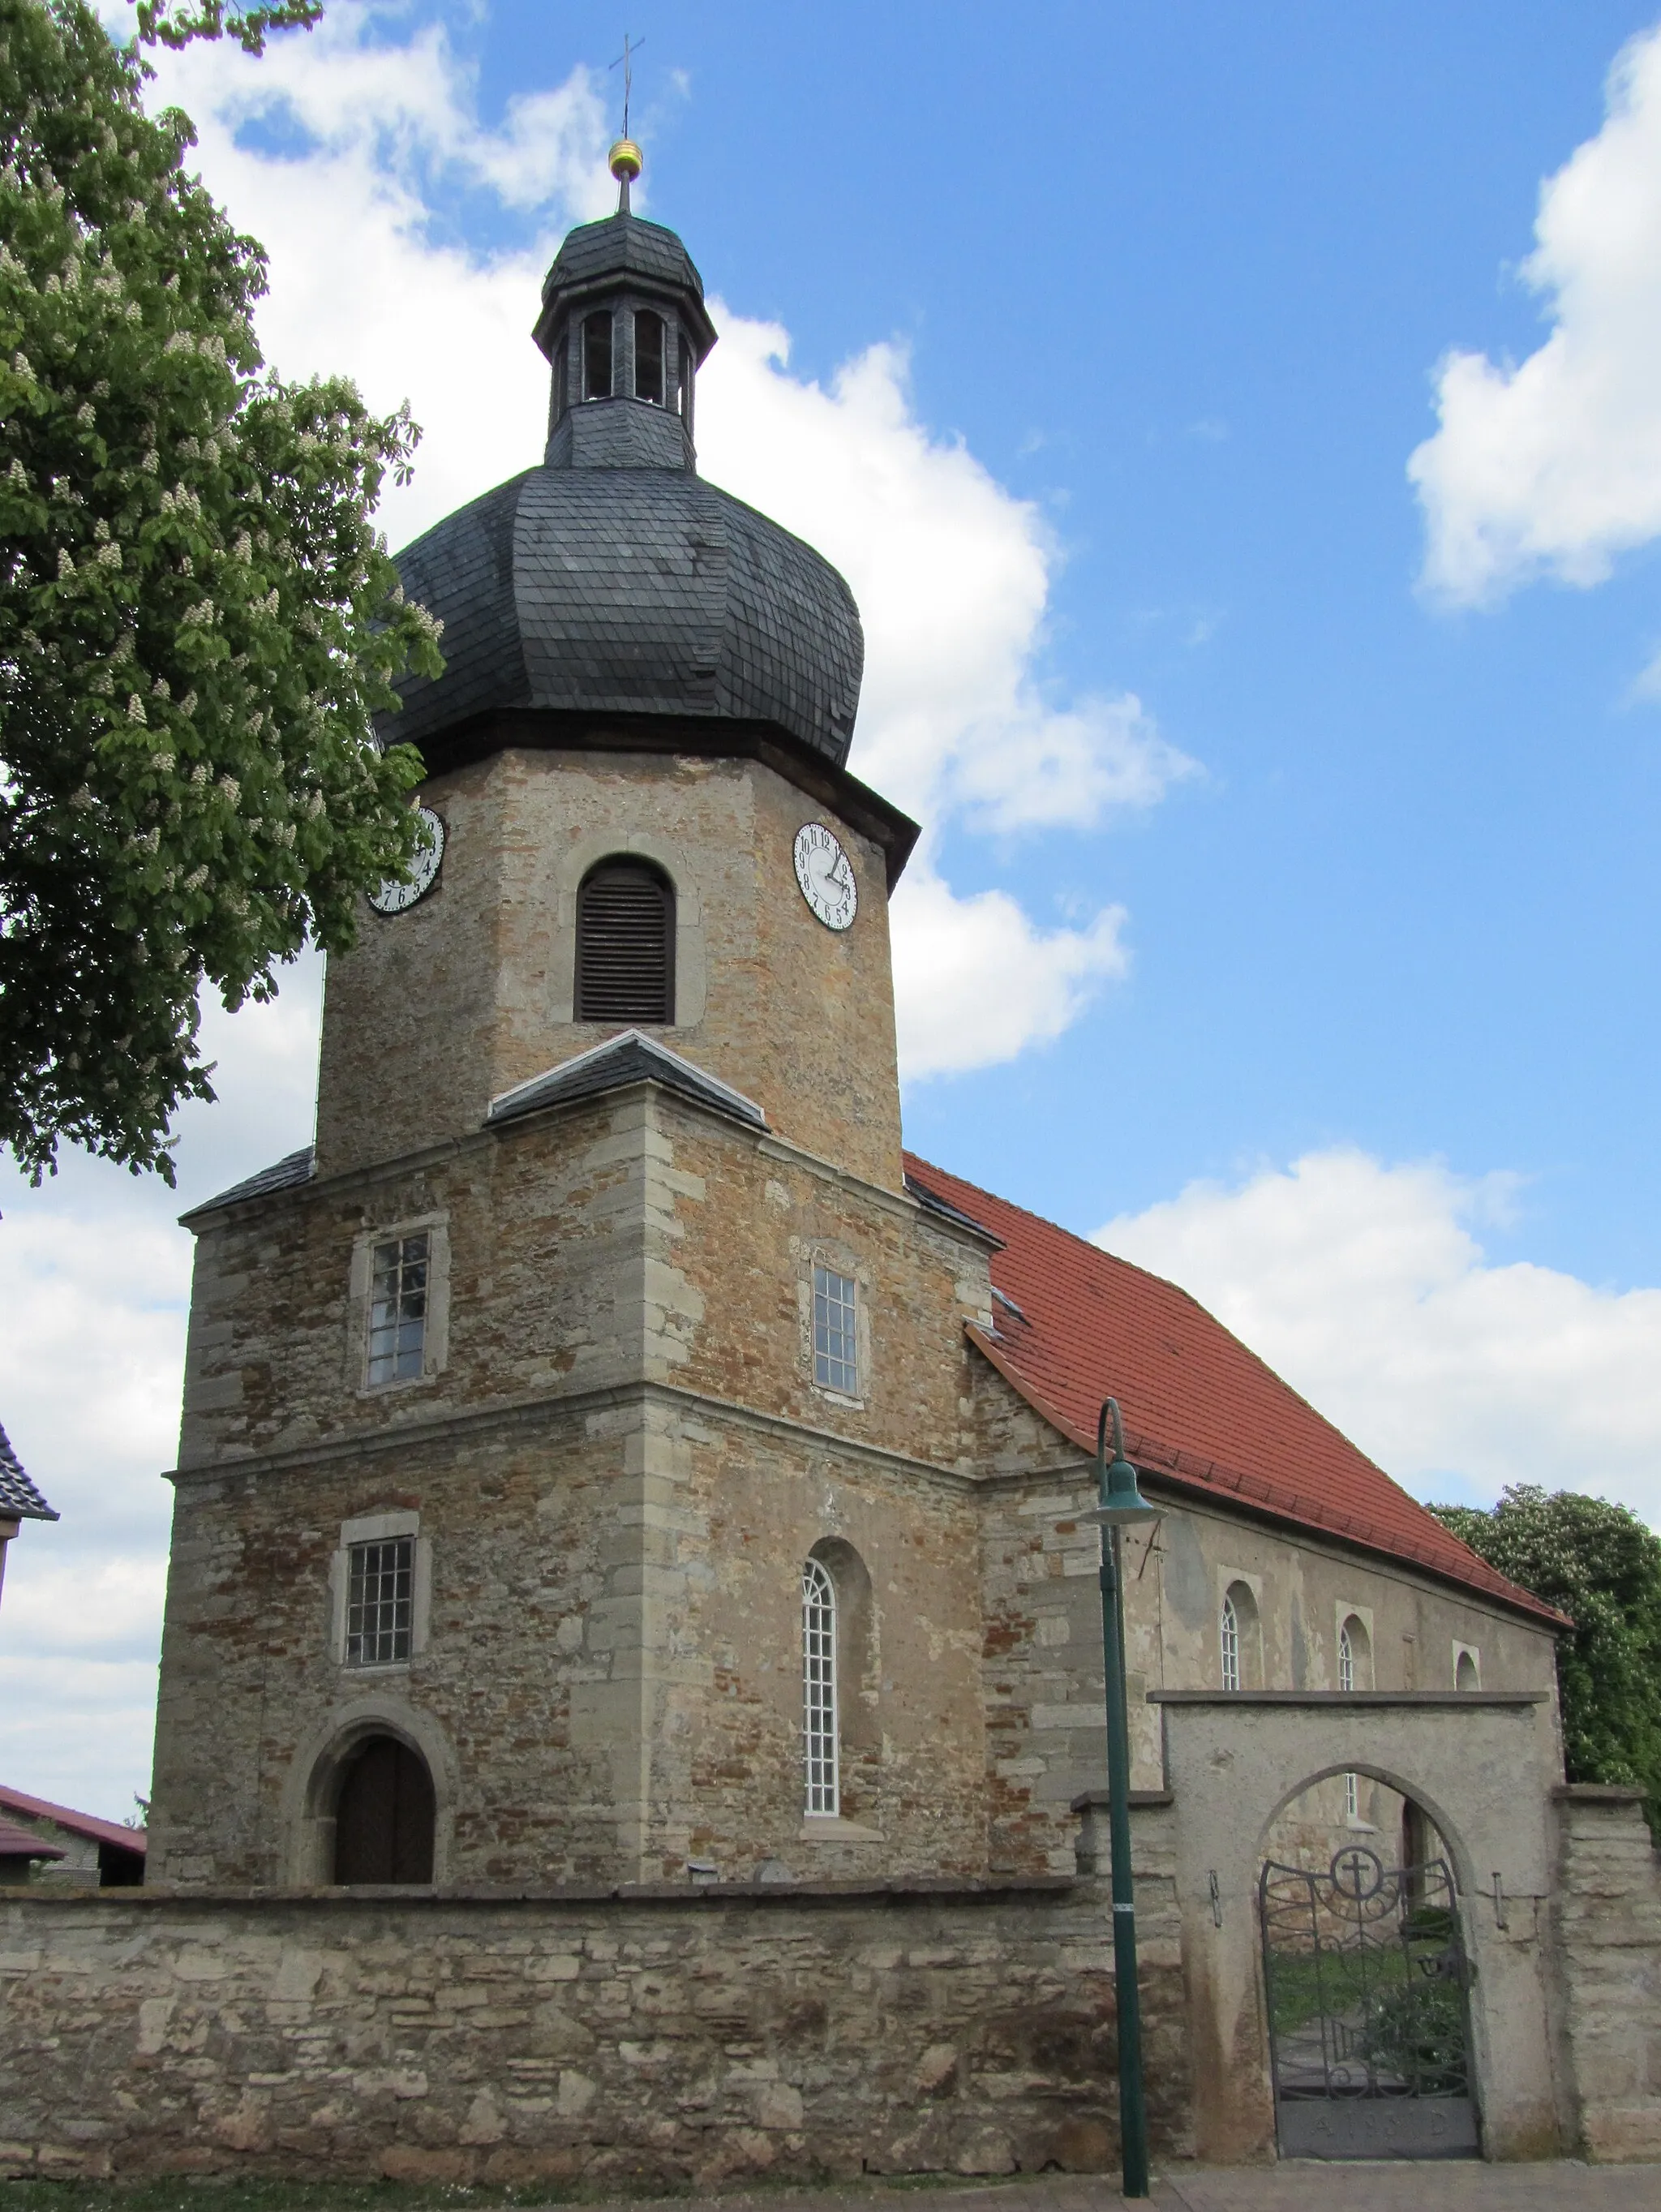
(384, 1815)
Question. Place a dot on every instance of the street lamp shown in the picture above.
(1122, 1506)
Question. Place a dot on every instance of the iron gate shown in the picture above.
(1367, 1982)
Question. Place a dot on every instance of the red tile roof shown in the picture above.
(24, 1844)
(76, 1824)
(1200, 1409)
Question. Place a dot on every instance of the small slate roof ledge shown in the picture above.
(634, 1057)
(19, 1499)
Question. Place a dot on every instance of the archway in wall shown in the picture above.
(384, 1815)
(1365, 1976)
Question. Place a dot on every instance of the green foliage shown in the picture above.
(172, 24)
(1601, 1566)
(198, 620)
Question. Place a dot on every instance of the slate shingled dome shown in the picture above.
(613, 579)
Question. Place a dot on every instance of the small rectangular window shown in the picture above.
(835, 1343)
(596, 356)
(649, 357)
(380, 1603)
(397, 1309)
(560, 371)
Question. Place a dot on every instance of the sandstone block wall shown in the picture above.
(675, 2037)
(436, 1010)
(1608, 1912)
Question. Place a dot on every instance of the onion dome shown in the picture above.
(613, 581)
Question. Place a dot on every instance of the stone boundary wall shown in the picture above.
(1608, 1937)
(669, 2036)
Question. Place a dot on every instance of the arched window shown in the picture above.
(1240, 1639)
(625, 943)
(649, 357)
(597, 356)
(1467, 1675)
(1354, 1655)
(822, 1790)
(383, 1816)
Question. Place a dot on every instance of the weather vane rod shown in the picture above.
(624, 160)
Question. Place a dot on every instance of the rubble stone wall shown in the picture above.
(669, 2037)
(1608, 1931)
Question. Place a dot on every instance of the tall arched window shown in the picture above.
(383, 1816)
(1240, 1639)
(649, 356)
(1467, 1675)
(597, 356)
(1355, 1672)
(625, 943)
(821, 1792)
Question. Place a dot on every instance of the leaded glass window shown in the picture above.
(835, 1338)
(819, 1690)
(1346, 1658)
(380, 1601)
(1231, 1643)
(397, 1307)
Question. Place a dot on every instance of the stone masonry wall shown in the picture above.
(671, 2037)
(1608, 1933)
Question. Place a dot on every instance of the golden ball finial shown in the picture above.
(624, 160)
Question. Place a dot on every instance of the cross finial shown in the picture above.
(625, 62)
(624, 160)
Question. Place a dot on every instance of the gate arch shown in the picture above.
(1482, 1765)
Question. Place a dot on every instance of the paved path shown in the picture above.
(1296, 2185)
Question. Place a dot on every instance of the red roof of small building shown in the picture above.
(76, 1824)
(23, 1844)
(1200, 1410)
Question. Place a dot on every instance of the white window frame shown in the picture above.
(836, 1260)
(1467, 1651)
(1228, 1638)
(435, 1341)
(380, 1528)
(833, 1371)
(821, 1783)
(1249, 1660)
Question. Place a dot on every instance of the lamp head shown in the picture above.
(1122, 1502)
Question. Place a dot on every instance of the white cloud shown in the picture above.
(1367, 1286)
(94, 1281)
(1554, 465)
(974, 982)
(953, 575)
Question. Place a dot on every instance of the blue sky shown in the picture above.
(1288, 910)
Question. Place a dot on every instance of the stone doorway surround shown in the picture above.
(1484, 1764)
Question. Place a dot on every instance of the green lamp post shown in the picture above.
(1122, 1505)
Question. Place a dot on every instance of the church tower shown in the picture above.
(598, 1353)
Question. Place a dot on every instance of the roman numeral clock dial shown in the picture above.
(826, 875)
(394, 897)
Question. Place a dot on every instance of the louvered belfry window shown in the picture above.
(625, 944)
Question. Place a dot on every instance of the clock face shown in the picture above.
(394, 897)
(826, 875)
